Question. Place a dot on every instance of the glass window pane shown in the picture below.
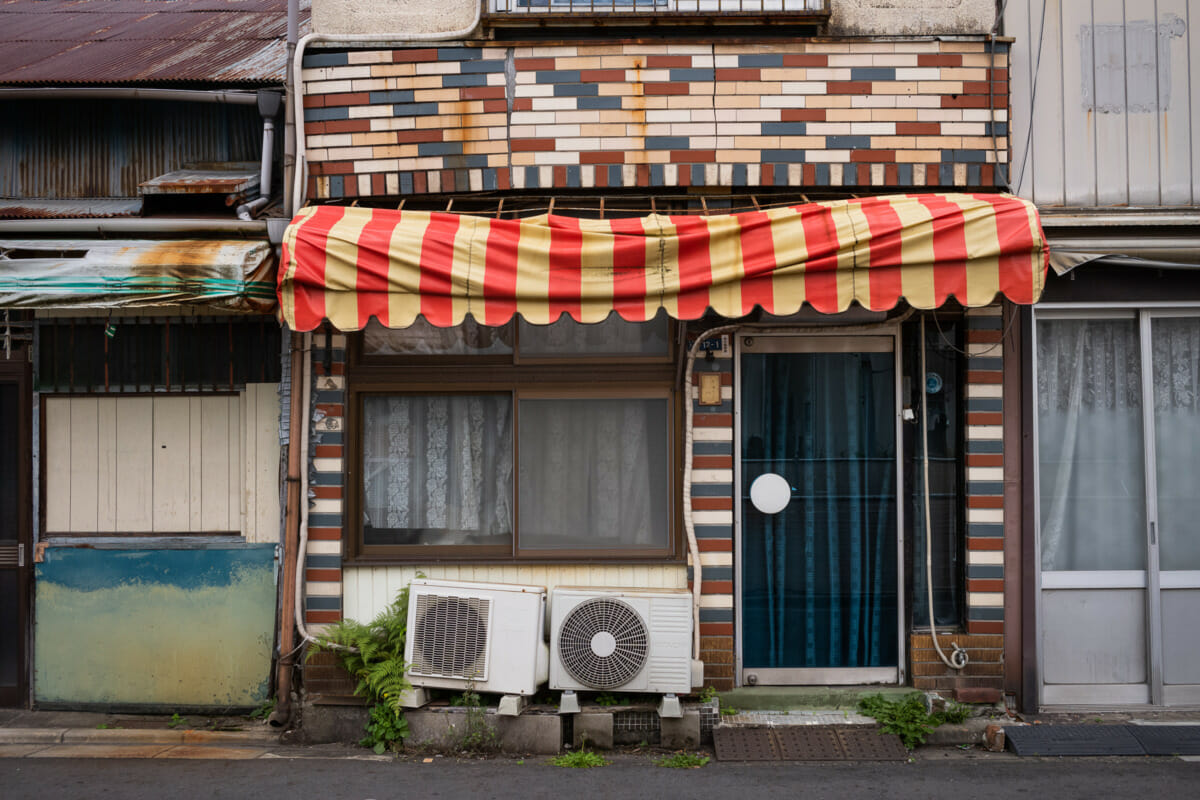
(423, 339)
(1176, 370)
(593, 474)
(437, 470)
(613, 337)
(1090, 445)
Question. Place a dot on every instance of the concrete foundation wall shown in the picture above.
(391, 18)
(911, 17)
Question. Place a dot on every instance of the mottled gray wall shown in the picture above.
(911, 17)
(391, 18)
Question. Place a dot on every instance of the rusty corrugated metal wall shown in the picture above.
(105, 148)
(1112, 92)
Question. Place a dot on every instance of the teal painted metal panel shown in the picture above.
(146, 627)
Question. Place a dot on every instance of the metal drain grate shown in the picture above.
(806, 743)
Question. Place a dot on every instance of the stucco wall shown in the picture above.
(911, 17)
(394, 18)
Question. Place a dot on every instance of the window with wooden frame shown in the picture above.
(520, 442)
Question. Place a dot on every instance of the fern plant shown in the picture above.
(373, 653)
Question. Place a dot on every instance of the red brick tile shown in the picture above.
(985, 501)
(322, 616)
(963, 101)
(409, 56)
(482, 93)
(808, 175)
(982, 376)
(984, 336)
(347, 125)
(712, 420)
(332, 409)
(716, 629)
(918, 128)
(348, 99)
(985, 459)
(802, 115)
(377, 184)
(335, 167)
(985, 418)
(714, 545)
(805, 60)
(326, 492)
(985, 626)
(938, 60)
(327, 575)
(712, 503)
(985, 585)
(408, 137)
(314, 101)
(522, 104)
(767, 175)
(891, 175)
(848, 87)
(325, 534)
(328, 451)
(503, 179)
(712, 462)
(530, 145)
(716, 587)
(667, 87)
(495, 106)
(984, 542)
(601, 176)
(602, 157)
(667, 62)
(871, 157)
(643, 175)
(534, 63)
(738, 74)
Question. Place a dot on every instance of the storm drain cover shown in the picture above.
(806, 743)
(1073, 740)
(1168, 740)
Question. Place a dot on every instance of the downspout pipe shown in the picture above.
(290, 563)
(269, 104)
(300, 179)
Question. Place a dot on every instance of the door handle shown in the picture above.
(21, 554)
(1154, 533)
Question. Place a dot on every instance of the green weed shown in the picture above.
(176, 721)
(579, 759)
(907, 717)
(682, 761)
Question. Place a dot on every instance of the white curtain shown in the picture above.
(593, 474)
(1090, 445)
(438, 469)
(1175, 345)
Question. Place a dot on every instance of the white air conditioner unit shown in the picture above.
(626, 640)
(488, 636)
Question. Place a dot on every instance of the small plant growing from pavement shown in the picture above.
(682, 761)
(607, 699)
(176, 721)
(579, 759)
(373, 653)
(264, 710)
(477, 737)
(907, 716)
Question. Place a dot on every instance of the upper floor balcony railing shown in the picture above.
(622, 11)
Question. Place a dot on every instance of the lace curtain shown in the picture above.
(438, 469)
(1090, 421)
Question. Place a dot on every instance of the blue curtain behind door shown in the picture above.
(819, 578)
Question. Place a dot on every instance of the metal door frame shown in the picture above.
(1153, 692)
(16, 371)
(819, 676)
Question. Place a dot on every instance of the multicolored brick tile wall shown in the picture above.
(904, 113)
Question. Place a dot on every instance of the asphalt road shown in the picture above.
(931, 776)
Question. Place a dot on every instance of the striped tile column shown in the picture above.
(712, 514)
(323, 558)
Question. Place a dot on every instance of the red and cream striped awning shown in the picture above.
(350, 264)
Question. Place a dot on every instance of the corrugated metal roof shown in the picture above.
(144, 41)
(38, 208)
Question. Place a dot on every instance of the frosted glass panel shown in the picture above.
(1176, 369)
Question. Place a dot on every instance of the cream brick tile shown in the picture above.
(918, 174)
(498, 160)
(608, 129)
(318, 154)
(756, 142)
(919, 101)
(894, 114)
(984, 60)
(579, 144)
(995, 474)
(872, 129)
(552, 131)
(359, 57)
(893, 142)
(423, 82)
(350, 153)
(710, 179)
(894, 59)
(726, 115)
(616, 90)
(795, 174)
(325, 547)
(671, 174)
(704, 142)
(964, 128)
(827, 156)
(328, 87)
(680, 101)
(984, 143)
(836, 173)
(738, 128)
(496, 79)
(816, 101)
(802, 87)
(740, 101)
(368, 112)
(877, 175)
(436, 95)
(553, 103)
(523, 118)
(928, 46)
(874, 47)
(940, 87)
(876, 100)
(753, 171)
(964, 74)
(982, 599)
(827, 74)
(578, 117)
(849, 115)
(439, 68)
(331, 140)
(579, 62)
(394, 70)
(855, 58)
(364, 184)
(726, 61)
(369, 84)
(827, 128)
(781, 74)
(939, 143)
(942, 115)
(918, 74)
(391, 183)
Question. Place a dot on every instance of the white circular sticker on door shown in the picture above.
(770, 493)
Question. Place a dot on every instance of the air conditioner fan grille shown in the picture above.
(603, 643)
(451, 637)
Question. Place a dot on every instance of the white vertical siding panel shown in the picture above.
(1112, 138)
(58, 464)
(1177, 120)
(211, 440)
(106, 468)
(1047, 174)
(172, 463)
(263, 438)
(1144, 127)
(135, 464)
(1193, 107)
(1017, 25)
(1078, 125)
(85, 457)
(195, 485)
(248, 502)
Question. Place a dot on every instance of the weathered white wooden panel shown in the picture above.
(368, 590)
(260, 460)
(84, 464)
(218, 427)
(172, 463)
(57, 436)
(1110, 90)
(135, 464)
(106, 469)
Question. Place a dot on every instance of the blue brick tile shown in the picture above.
(326, 479)
(329, 437)
(323, 603)
(985, 404)
(716, 615)
(576, 90)
(726, 407)
(415, 109)
(574, 179)
(323, 562)
(714, 573)
(458, 81)
(848, 142)
(322, 114)
(784, 128)
(872, 74)
(904, 174)
(986, 530)
(458, 54)
(531, 178)
(406, 183)
(603, 103)
(657, 177)
(985, 322)
(974, 174)
(822, 176)
(984, 446)
(739, 175)
(985, 571)
(989, 363)
(337, 186)
(946, 172)
(558, 76)
(985, 488)
(614, 175)
(475, 161)
(1002, 174)
(965, 156)
(314, 60)
(325, 520)
(667, 142)
(697, 175)
(712, 490)
(439, 148)
(476, 67)
(986, 614)
(997, 128)
(692, 74)
(760, 60)
(399, 96)
(489, 180)
(783, 156)
(850, 175)
(712, 448)
(714, 531)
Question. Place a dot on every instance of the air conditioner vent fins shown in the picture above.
(603, 643)
(451, 637)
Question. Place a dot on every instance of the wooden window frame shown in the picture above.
(600, 377)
